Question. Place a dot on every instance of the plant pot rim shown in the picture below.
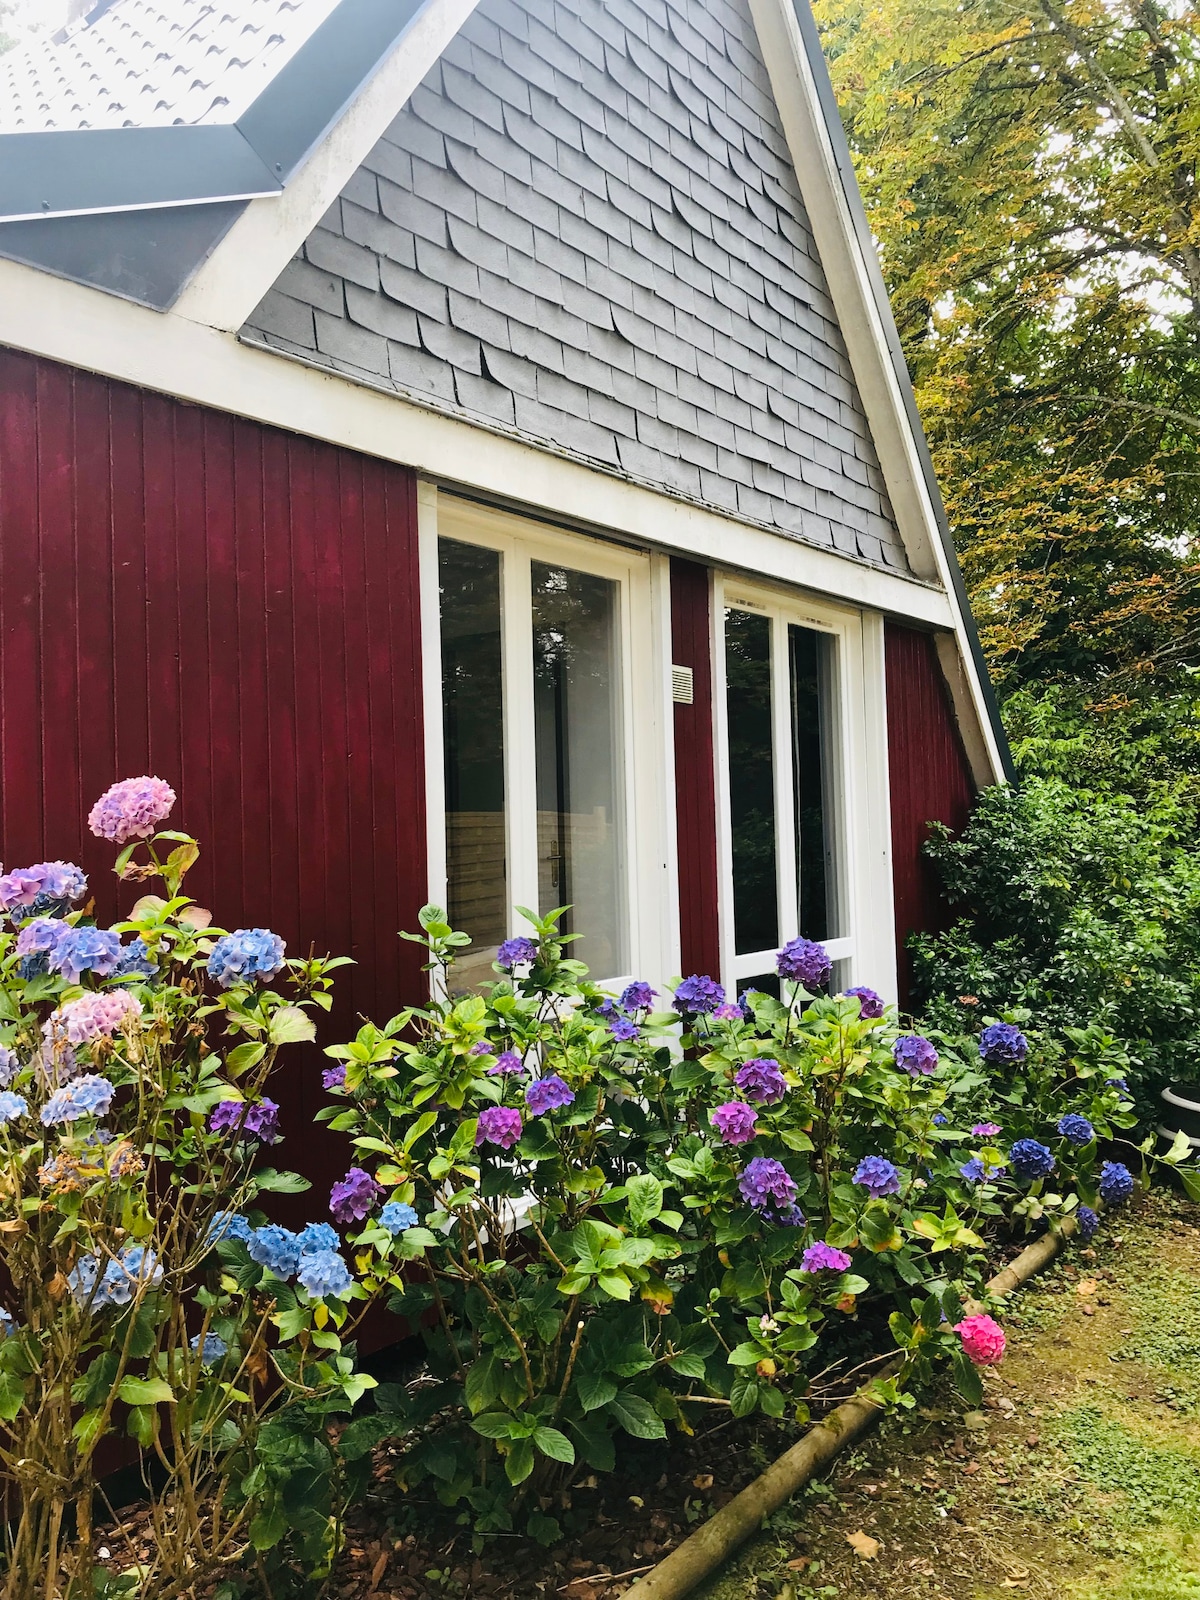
(1175, 1095)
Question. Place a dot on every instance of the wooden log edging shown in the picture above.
(715, 1540)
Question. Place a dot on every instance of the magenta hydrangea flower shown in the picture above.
(762, 1082)
(353, 1196)
(498, 1125)
(766, 1183)
(131, 809)
(547, 1094)
(805, 962)
(824, 1258)
(870, 1005)
(915, 1055)
(982, 1339)
(734, 1121)
(507, 1062)
(986, 1130)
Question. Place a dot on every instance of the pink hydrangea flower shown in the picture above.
(729, 1013)
(734, 1121)
(982, 1339)
(498, 1125)
(93, 1015)
(131, 809)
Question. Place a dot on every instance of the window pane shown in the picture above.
(751, 781)
(814, 769)
(576, 724)
(473, 731)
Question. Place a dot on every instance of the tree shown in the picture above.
(1030, 172)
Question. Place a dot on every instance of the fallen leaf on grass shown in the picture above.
(378, 1570)
(800, 1564)
(702, 1480)
(863, 1545)
(1086, 1287)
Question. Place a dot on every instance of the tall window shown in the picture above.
(543, 652)
(784, 759)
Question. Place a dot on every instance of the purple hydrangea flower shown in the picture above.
(1116, 1183)
(824, 1258)
(324, 1275)
(352, 1197)
(1031, 1159)
(745, 1006)
(1003, 1044)
(317, 1236)
(697, 996)
(638, 997)
(480, 1048)
(515, 953)
(135, 962)
(245, 955)
(789, 1217)
(275, 1248)
(498, 1125)
(9, 1066)
(547, 1094)
(89, 1096)
(1075, 1129)
(39, 938)
(985, 1130)
(915, 1055)
(877, 1176)
(397, 1217)
(623, 1029)
(1089, 1222)
(1117, 1083)
(973, 1170)
(85, 949)
(259, 1121)
(607, 1008)
(49, 886)
(766, 1184)
(508, 1061)
(734, 1121)
(334, 1077)
(870, 1005)
(131, 809)
(805, 962)
(728, 1012)
(762, 1082)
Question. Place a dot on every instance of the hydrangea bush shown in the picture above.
(147, 1293)
(605, 1210)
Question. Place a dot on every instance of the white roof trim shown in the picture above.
(238, 273)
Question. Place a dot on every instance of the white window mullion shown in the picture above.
(520, 756)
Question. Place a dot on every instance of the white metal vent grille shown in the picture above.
(681, 685)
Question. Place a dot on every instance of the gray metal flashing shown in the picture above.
(92, 177)
(845, 165)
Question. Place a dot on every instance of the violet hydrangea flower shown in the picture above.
(135, 961)
(698, 995)
(508, 1061)
(734, 1121)
(131, 809)
(1116, 1183)
(352, 1197)
(638, 997)
(915, 1055)
(762, 1082)
(46, 887)
(766, 1184)
(877, 1176)
(245, 955)
(870, 1005)
(334, 1077)
(728, 1012)
(1003, 1044)
(805, 962)
(1031, 1159)
(1075, 1129)
(259, 1120)
(985, 1130)
(9, 1066)
(498, 1125)
(37, 940)
(516, 953)
(824, 1258)
(1089, 1222)
(623, 1029)
(547, 1094)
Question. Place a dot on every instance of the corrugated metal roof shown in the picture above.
(153, 63)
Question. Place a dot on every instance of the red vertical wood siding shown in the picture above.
(235, 609)
(695, 773)
(929, 776)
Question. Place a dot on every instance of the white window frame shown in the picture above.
(649, 887)
(859, 781)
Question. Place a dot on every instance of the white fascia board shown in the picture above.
(248, 260)
(172, 355)
(849, 284)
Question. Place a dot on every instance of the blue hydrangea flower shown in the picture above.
(228, 1225)
(7, 1324)
(275, 1248)
(89, 1096)
(1116, 1183)
(1003, 1044)
(396, 1217)
(246, 955)
(1031, 1159)
(973, 1170)
(9, 1066)
(324, 1274)
(697, 996)
(1076, 1129)
(940, 1119)
(877, 1176)
(318, 1236)
(1117, 1083)
(215, 1349)
(122, 1277)
(516, 953)
(85, 949)
(1088, 1223)
(135, 962)
(12, 1106)
(82, 1282)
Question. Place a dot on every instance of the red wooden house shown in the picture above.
(464, 448)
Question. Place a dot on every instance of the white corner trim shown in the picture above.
(172, 355)
(846, 272)
(250, 257)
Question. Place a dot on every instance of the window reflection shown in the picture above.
(751, 780)
(811, 661)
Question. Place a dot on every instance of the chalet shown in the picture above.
(464, 447)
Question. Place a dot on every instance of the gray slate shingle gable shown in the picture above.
(585, 228)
